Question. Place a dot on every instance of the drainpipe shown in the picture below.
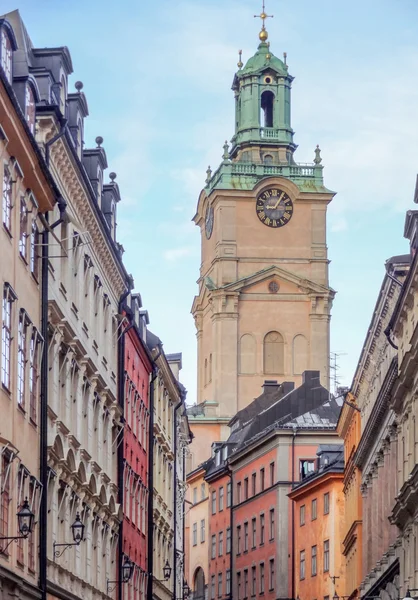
(175, 496)
(295, 430)
(150, 532)
(231, 521)
(43, 420)
(121, 446)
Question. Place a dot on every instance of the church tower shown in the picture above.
(264, 301)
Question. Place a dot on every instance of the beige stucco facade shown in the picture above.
(255, 280)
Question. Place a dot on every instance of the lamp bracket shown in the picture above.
(59, 553)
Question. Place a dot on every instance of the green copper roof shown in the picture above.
(263, 59)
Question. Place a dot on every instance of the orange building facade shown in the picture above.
(318, 528)
(349, 429)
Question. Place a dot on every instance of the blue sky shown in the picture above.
(157, 78)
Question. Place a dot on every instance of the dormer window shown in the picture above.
(99, 185)
(79, 136)
(6, 54)
(30, 108)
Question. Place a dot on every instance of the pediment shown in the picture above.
(289, 283)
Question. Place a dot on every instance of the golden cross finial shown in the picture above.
(263, 33)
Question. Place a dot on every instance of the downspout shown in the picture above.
(295, 430)
(43, 421)
(175, 496)
(121, 446)
(231, 520)
(150, 525)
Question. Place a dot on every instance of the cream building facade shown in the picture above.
(27, 193)
(264, 301)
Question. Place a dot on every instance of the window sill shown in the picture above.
(6, 390)
(7, 230)
(261, 544)
(271, 539)
(245, 552)
(21, 407)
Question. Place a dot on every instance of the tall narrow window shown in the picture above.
(253, 484)
(271, 574)
(245, 537)
(313, 509)
(6, 336)
(20, 484)
(30, 108)
(34, 251)
(302, 514)
(238, 539)
(267, 103)
(31, 538)
(246, 488)
(326, 556)
(274, 353)
(261, 578)
(202, 491)
(213, 547)
(326, 503)
(253, 581)
(21, 358)
(23, 235)
(253, 533)
(262, 482)
(245, 583)
(228, 540)
(239, 585)
(228, 582)
(4, 501)
(302, 565)
(262, 530)
(6, 55)
(228, 494)
(194, 534)
(239, 492)
(202, 531)
(313, 561)
(7, 199)
(272, 473)
(271, 533)
(220, 543)
(213, 503)
(221, 498)
(220, 586)
(212, 587)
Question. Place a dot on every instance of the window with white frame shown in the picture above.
(6, 335)
(326, 556)
(21, 357)
(23, 234)
(7, 199)
(202, 531)
(228, 582)
(6, 54)
(302, 564)
(194, 534)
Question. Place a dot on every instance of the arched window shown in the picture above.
(247, 355)
(274, 353)
(268, 159)
(63, 94)
(6, 54)
(199, 584)
(30, 108)
(300, 354)
(267, 102)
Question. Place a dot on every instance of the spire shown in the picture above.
(263, 35)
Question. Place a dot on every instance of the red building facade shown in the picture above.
(137, 370)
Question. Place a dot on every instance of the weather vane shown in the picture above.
(263, 33)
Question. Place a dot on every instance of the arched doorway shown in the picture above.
(199, 584)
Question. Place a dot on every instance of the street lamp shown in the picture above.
(127, 570)
(167, 570)
(186, 589)
(25, 518)
(408, 593)
(77, 530)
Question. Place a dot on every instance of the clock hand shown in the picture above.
(275, 206)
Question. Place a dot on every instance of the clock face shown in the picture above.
(274, 207)
(209, 221)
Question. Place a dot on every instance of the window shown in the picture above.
(271, 532)
(302, 564)
(254, 533)
(23, 236)
(6, 337)
(313, 509)
(267, 103)
(228, 540)
(306, 467)
(221, 498)
(245, 537)
(221, 543)
(21, 358)
(238, 539)
(253, 484)
(326, 556)
(268, 159)
(202, 531)
(213, 503)
(220, 591)
(302, 514)
(326, 503)
(271, 574)
(274, 353)
(7, 199)
(261, 578)
(246, 488)
(239, 585)
(228, 582)
(239, 492)
(212, 587)
(262, 479)
(313, 561)
(253, 581)
(30, 108)
(34, 251)
(195, 495)
(6, 55)
(245, 583)
(213, 554)
(202, 491)
(228, 494)
(272, 473)
(262, 530)
(4, 501)
(194, 534)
